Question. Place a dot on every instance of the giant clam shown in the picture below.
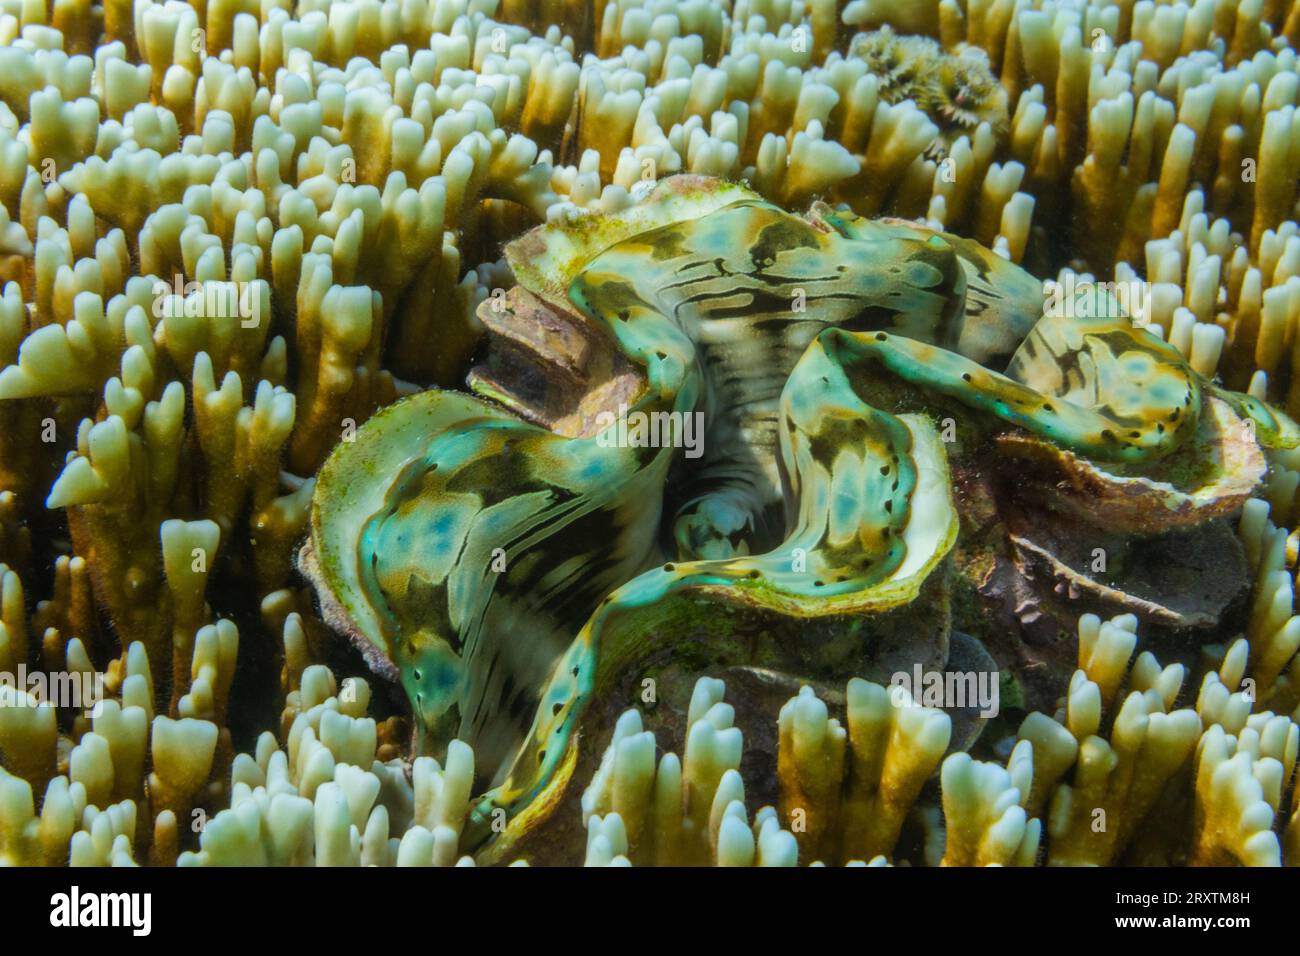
(522, 558)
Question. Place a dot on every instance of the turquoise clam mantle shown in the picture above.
(510, 571)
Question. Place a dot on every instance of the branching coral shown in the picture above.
(1157, 759)
(319, 794)
(680, 812)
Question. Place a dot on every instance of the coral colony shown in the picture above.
(643, 432)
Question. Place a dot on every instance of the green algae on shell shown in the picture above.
(1210, 477)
